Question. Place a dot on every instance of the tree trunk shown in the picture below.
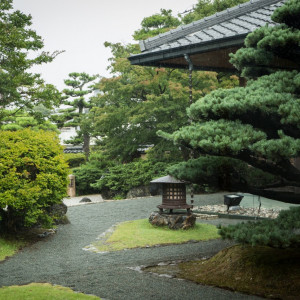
(86, 145)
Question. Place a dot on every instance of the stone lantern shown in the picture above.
(173, 197)
(173, 194)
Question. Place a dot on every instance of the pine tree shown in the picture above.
(19, 52)
(245, 139)
(75, 115)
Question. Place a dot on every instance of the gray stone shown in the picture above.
(173, 221)
(140, 191)
(233, 208)
(85, 199)
(108, 194)
(58, 212)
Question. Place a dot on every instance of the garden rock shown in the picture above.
(85, 200)
(58, 211)
(140, 191)
(108, 194)
(173, 221)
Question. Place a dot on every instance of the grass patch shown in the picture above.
(263, 271)
(8, 247)
(10, 244)
(44, 291)
(140, 233)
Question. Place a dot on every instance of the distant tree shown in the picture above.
(138, 101)
(205, 8)
(17, 120)
(78, 105)
(19, 87)
(248, 137)
(156, 24)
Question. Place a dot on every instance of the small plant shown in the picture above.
(118, 197)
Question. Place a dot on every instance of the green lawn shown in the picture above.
(141, 233)
(9, 247)
(42, 291)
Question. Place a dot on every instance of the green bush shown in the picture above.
(33, 177)
(123, 177)
(90, 172)
(74, 159)
(102, 175)
(282, 232)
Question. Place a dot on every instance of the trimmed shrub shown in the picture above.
(282, 232)
(121, 178)
(90, 172)
(33, 177)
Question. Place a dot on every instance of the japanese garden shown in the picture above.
(199, 109)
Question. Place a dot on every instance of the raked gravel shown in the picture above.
(59, 258)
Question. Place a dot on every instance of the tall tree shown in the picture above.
(247, 138)
(156, 24)
(19, 87)
(78, 104)
(138, 101)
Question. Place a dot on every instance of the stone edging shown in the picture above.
(198, 214)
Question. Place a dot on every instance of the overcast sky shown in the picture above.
(80, 27)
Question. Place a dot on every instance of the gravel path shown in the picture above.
(59, 259)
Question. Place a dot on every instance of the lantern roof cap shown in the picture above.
(167, 179)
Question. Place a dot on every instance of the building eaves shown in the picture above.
(230, 30)
(226, 15)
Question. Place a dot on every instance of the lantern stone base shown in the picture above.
(173, 221)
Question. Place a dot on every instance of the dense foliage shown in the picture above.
(74, 159)
(18, 120)
(281, 232)
(257, 125)
(33, 177)
(121, 178)
(156, 24)
(102, 175)
(19, 87)
(88, 173)
(138, 101)
(205, 8)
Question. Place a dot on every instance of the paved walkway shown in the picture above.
(60, 259)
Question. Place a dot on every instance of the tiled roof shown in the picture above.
(73, 149)
(232, 24)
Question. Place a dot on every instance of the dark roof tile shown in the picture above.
(226, 15)
(234, 23)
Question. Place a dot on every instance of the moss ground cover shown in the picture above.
(264, 271)
(140, 233)
(45, 291)
(9, 247)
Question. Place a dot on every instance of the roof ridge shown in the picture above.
(206, 22)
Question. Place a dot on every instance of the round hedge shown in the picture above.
(33, 177)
